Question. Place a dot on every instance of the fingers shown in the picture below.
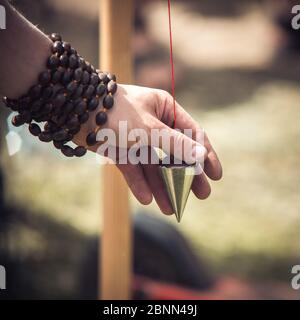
(201, 187)
(178, 144)
(136, 181)
(157, 187)
(212, 166)
(145, 180)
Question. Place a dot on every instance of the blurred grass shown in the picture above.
(68, 191)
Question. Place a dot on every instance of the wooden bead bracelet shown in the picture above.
(66, 92)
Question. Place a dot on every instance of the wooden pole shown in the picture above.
(116, 24)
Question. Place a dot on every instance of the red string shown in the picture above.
(172, 63)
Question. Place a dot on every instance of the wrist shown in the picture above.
(68, 92)
(24, 50)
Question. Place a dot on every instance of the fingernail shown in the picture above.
(200, 153)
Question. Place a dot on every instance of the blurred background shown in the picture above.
(237, 73)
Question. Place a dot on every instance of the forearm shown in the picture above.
(23, 52)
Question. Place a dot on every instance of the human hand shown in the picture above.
(147, 109)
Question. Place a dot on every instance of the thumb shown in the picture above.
(179, 145)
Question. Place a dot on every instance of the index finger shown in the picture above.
(212, 165)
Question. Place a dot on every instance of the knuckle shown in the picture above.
(162, 96)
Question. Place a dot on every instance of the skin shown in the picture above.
(23, 52)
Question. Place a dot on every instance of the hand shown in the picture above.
(145, 108)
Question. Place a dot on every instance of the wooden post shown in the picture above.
(116, 24)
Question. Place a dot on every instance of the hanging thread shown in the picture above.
(172, 62)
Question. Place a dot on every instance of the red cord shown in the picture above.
(172, 63)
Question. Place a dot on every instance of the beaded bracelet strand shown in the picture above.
(67, 91)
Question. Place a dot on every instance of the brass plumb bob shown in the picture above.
(178, 181)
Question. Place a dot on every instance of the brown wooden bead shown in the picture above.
(89, 68)
(44, 77)
(68, 107)
(85, 77)
(75, 130)
(80, 107)
(91, 139)
(35, 114)
(101, 118)
(61, 120)
(82, 63)
(78, 92)
(64, 112)
(57, 89)
(80, 151)
(112, 87)
(100, 90)
(57, 47)
(58, 144)
(94, 80)
(69, 137)
(73, 51)
(78, 74)
(25, 116)
(111, 76)
(73, 61)
(17, 121)
(55, 37)
(76, 101)
(34, 129)
(67, 151)
(47, 92)
(89, 91)
(47, 127)
(57, 75)
(59, 100)
(60, 135)
(67, 77)
(73, 122)
(35, 91)
(53, 61)
(66, 46)
(36, 105)
(56, 111)
(24, 103)
(47, 108)
(43, 117)
(93, 104)
(84, 117)
(51, 126)
(103, 77)
(108, 101)
(64, 60)
(45, 136)
(71, 87)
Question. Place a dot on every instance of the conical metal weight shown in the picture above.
(178, 181)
